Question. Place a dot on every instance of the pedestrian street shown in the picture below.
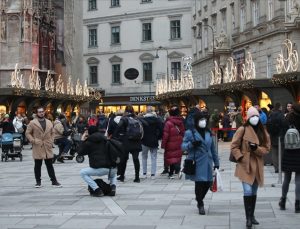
(159, 203)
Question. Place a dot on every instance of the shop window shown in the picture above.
(264, 101)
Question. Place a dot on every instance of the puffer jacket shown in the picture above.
(95, 147)
(172, 139)
(153, 128)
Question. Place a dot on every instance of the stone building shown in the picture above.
(119, 35)
(40, 35)
(223, 29)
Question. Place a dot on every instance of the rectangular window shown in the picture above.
(214, 22)
(269, 66)
(232, 16)
(92, 4)
(175, 29)
(205, 38)
(243, 19)
(255, 12)
(115, 3)
(270, 9)
(147, 71)
(115, 35)
(116, 73)
(147, 32)
(93, 74)
(175, 70)
(224, 21)
(92, 37)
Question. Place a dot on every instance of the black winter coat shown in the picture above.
(275, 120)
(120, 133)
(95, 147)
(153, 129)
(291, 158)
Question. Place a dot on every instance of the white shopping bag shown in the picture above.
(219, 181)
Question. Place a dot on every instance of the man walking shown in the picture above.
(40, 133)
(153, 128)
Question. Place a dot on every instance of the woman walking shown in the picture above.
(199, 144)
(291, 162)
(172, 139)
(249, 144)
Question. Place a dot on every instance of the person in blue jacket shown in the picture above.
(199, 144)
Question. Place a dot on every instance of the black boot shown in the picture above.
(297, 206)
(201, 208)
(248, 210)
(254, 221)
(282, 203)
(136, 163)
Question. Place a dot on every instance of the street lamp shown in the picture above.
(157, 56)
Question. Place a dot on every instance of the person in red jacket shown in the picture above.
(172, 138)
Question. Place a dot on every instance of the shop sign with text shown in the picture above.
(142, 98)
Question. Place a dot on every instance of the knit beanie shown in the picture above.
(252, 111)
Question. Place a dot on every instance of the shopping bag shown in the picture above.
(219, 181)
(214, 186)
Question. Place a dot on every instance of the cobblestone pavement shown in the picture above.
(159, 203)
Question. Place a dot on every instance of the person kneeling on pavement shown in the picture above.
(94, 146)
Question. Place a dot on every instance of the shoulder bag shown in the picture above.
(189, 165)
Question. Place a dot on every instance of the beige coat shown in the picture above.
(251, 166)
(58, 129)
(41, 140)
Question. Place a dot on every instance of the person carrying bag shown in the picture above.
(200, 146)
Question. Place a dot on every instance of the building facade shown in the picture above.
(150, 36)
(40, 36)
(224, 29)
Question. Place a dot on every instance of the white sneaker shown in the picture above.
(152, 177)
(171, 177)
(144, 176)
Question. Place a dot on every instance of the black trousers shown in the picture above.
(174, 167)
(136, 163)
(201, 188)
(38, 167)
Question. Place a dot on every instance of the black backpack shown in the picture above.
(115, 151)
(106, 188)
(134, 130)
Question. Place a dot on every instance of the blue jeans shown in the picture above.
(86, 174)
(153, 153)
(250, 190)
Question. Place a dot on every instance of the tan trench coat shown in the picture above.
(251, 166)
(41, 140)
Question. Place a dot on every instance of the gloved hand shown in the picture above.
(253, 146)
(197, 143)
(216, 167)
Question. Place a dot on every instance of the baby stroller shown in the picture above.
(11, 145)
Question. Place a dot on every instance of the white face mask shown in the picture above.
(254, 120)
(202, 123)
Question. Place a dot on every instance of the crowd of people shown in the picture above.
(261, 131)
